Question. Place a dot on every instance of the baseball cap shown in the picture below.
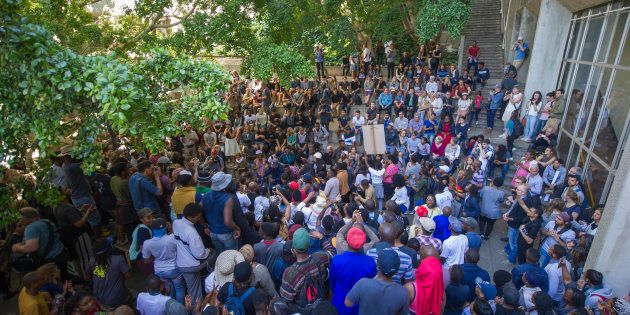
(427, 224)
(388, 262)
(533, 278)
(355, 238)
(470, 222)
(317, 155)
(163, 160)
(301, 240)
(510, 296)
(497, 86)
(488, 289)
(294, 185)
(456, 226)
(158, 224)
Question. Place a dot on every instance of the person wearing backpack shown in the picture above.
(510, 128)
(236, 296)
(304, 282)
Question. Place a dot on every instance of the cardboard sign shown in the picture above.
(374, 139)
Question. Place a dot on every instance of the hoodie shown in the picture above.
(429, 287)
(594, 295)
(471, 273)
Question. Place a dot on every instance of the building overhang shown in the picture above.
(579, 5)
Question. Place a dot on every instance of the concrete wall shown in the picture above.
(610, 252)
(547, 48)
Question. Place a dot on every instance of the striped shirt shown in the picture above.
(405, 271)
(294, 276)
(429, 240)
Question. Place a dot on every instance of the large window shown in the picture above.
(596, 78)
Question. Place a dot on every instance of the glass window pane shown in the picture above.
(613, 118)
(596, 98)
(577, 158)
(625, 56)
(592, 38)
(612, 37)
(594, 181)
(576, 38)
(564, 143)
(576, 95)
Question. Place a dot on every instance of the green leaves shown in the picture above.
(281, 60)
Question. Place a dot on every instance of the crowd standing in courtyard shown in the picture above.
(278, 210)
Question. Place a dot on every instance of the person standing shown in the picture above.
(319, 62)
(367, 58)
(350, 267)
(532, 112)
(515, 99)
(454, 247)
(80, 192)
(496, 98)
(145, 186)
(125, 214)
(369, 293)
(426, 294)
(217, 207)
(491, 198)
(191, 252)
(391, 61)
(520, 49)
(153, 302)
(559, 103)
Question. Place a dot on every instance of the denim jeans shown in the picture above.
(491, 114)
(390, 149)
(504, 169)
(544, 258)
(176, 283)
(530, 126)
(540, 124)
(511, 247)
(223, 242)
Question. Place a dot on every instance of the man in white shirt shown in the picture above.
(153, 302)
(357, 122)
(332, 185)
(432, 85)
(401, 122)
(191, 253)
(320, 135)
(436, 103)
(454, 248)
(189, 141)
(554, 271)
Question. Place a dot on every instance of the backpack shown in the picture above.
(527, 52)
(519, 129)
(311, 292)
(234, 303)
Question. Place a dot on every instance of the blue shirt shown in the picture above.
(213, 203)
(518, 53)
(143, 192)
(495, 100)
(39, 230)
(474, 241)
(441, 231)
(471, 273)
(518, 271)
(428, 124)
(345, 271)
(385, 100)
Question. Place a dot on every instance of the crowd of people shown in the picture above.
(264, 213)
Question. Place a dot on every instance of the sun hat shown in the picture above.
(224, 267)
(355, 238)
(248, 252)
(427, 224)
(220, 181)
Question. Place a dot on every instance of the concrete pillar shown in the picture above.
(610, 252)
(547, 49)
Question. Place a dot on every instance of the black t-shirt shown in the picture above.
(371, 113)
(501, 310)
(143, 235)
(346, 98)
(455, 298)
(248, 303)
(531, 229)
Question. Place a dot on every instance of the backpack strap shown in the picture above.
(50, 239)
(247, 293)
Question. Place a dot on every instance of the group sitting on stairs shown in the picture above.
(264, 214)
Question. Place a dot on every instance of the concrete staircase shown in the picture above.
(484, 26)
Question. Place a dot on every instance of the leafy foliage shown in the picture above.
(281, 60)
(436, 15)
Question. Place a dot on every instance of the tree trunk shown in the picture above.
(362, 37)
(409, 23)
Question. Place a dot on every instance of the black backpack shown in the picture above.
(373, 222)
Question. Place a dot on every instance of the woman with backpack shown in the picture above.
(531, 113)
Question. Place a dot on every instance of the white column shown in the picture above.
(610, 252)
(554, 21)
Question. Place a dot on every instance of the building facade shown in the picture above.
(583, 46)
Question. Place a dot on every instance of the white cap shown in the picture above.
(317, 155)
(520, 37)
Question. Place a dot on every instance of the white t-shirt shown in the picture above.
(453, 250)
(148, 304)
(377, 176)
(244, 200)
(310, 217)
(444, 199)
(437, 104)
(261, 203)
(358, 122)
(401, 197)
(367, 55)
(164, 249)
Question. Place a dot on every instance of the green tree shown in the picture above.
(281, 60)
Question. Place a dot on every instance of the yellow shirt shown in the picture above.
(182, 197)
(32, 304)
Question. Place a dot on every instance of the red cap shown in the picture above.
(422, 211)
(355, 238)
(294, 185)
